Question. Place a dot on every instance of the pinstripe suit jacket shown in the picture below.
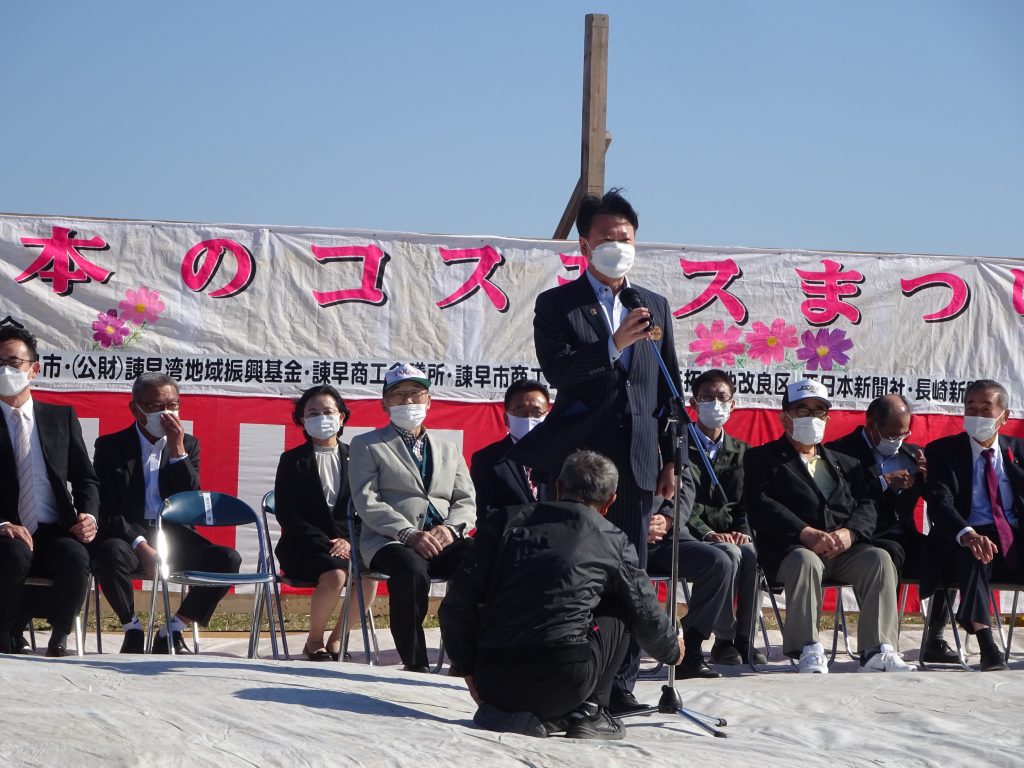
(595, 396)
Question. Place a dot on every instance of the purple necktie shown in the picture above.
(1003, 529)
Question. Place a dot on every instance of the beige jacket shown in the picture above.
(388, 492)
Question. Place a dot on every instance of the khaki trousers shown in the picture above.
(871, 573)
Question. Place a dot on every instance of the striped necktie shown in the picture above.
(26, 480)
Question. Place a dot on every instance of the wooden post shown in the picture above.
(595, 139)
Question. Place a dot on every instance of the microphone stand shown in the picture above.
(670, 703)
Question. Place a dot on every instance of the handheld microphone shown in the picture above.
(630, 298)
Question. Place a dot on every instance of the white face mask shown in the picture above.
(888, 447)
(981, 428)
(808, 430)
(408, 416)
(322, 427)
(613, 259)
(12, 381)
(153, 425)
(520, 426)
(713, 413)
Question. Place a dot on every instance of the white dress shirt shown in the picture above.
(46, 502)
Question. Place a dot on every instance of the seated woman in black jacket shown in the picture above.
(311, 501)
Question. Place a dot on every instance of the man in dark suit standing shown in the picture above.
(976, 499)
(44, 528)
(814, 516)
(501, 481)
(138, 468)
(611, 396)
(898, 470)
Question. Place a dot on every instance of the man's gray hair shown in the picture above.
(147, 380)
(588, 477)
(1002, 396)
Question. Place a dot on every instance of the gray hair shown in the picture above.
(155, 380)
(588, 477)
(985, 384)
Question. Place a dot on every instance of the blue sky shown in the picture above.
(880, 125)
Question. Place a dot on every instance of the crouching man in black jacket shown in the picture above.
(539, 614)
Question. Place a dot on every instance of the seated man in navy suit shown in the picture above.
(139, 467)
(976, 499)
(499, 480)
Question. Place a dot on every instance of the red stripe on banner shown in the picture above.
(217, 420)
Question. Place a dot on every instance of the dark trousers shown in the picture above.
(713, 574)
(914, 557)
(55, 555)
(409, 576)
(975, 578)
(551, 688)
(116, 564)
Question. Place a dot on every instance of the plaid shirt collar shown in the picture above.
(412, 442)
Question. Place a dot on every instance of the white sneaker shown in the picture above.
(887, 660)
(812, 659)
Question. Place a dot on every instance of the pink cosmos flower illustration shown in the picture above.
(769, 344)
(141, 306)
(109, 329)
(716, 345)
(824, 349)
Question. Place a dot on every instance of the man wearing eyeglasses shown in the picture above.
(44, 527)
(138, 468)
(814, 516)
(715, 549)
(413, 492)
(899, 471)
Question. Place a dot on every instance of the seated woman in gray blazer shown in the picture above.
(311, 501)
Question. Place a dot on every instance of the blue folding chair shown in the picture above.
(216, 510)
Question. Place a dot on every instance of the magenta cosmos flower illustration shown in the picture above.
(824, 349)
(769, 344)
(109, 330)
(141, 306)
(716, 345)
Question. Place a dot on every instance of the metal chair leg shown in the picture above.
(1013, 622)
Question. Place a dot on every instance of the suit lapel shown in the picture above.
(587, 305)
(396, 444)
(1014, 472)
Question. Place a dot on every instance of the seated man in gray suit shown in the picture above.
(414, 495)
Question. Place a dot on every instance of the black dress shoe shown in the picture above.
(20, 645)
(625, 703)
(693, 666)
(180, 646)
(743, 647)
(418, 668)
(726, 653)
(490, 718)
(937, 651)
(134, 641)
(993, 661)
(590, 721)
(57, 649)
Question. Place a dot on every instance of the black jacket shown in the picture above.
(67, 462)
(893, 508)
(532, 580)
(782, 499)
(597, 399)
(950, 474)
(499, 481)
(118, 460)
(307, 525)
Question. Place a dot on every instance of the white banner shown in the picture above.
(249, 310)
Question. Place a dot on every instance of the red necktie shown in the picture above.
(1003, 529)
(529, 481)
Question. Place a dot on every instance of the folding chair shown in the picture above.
(79, 629)
(1006, 641)
(218, 510)
(356, 574)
